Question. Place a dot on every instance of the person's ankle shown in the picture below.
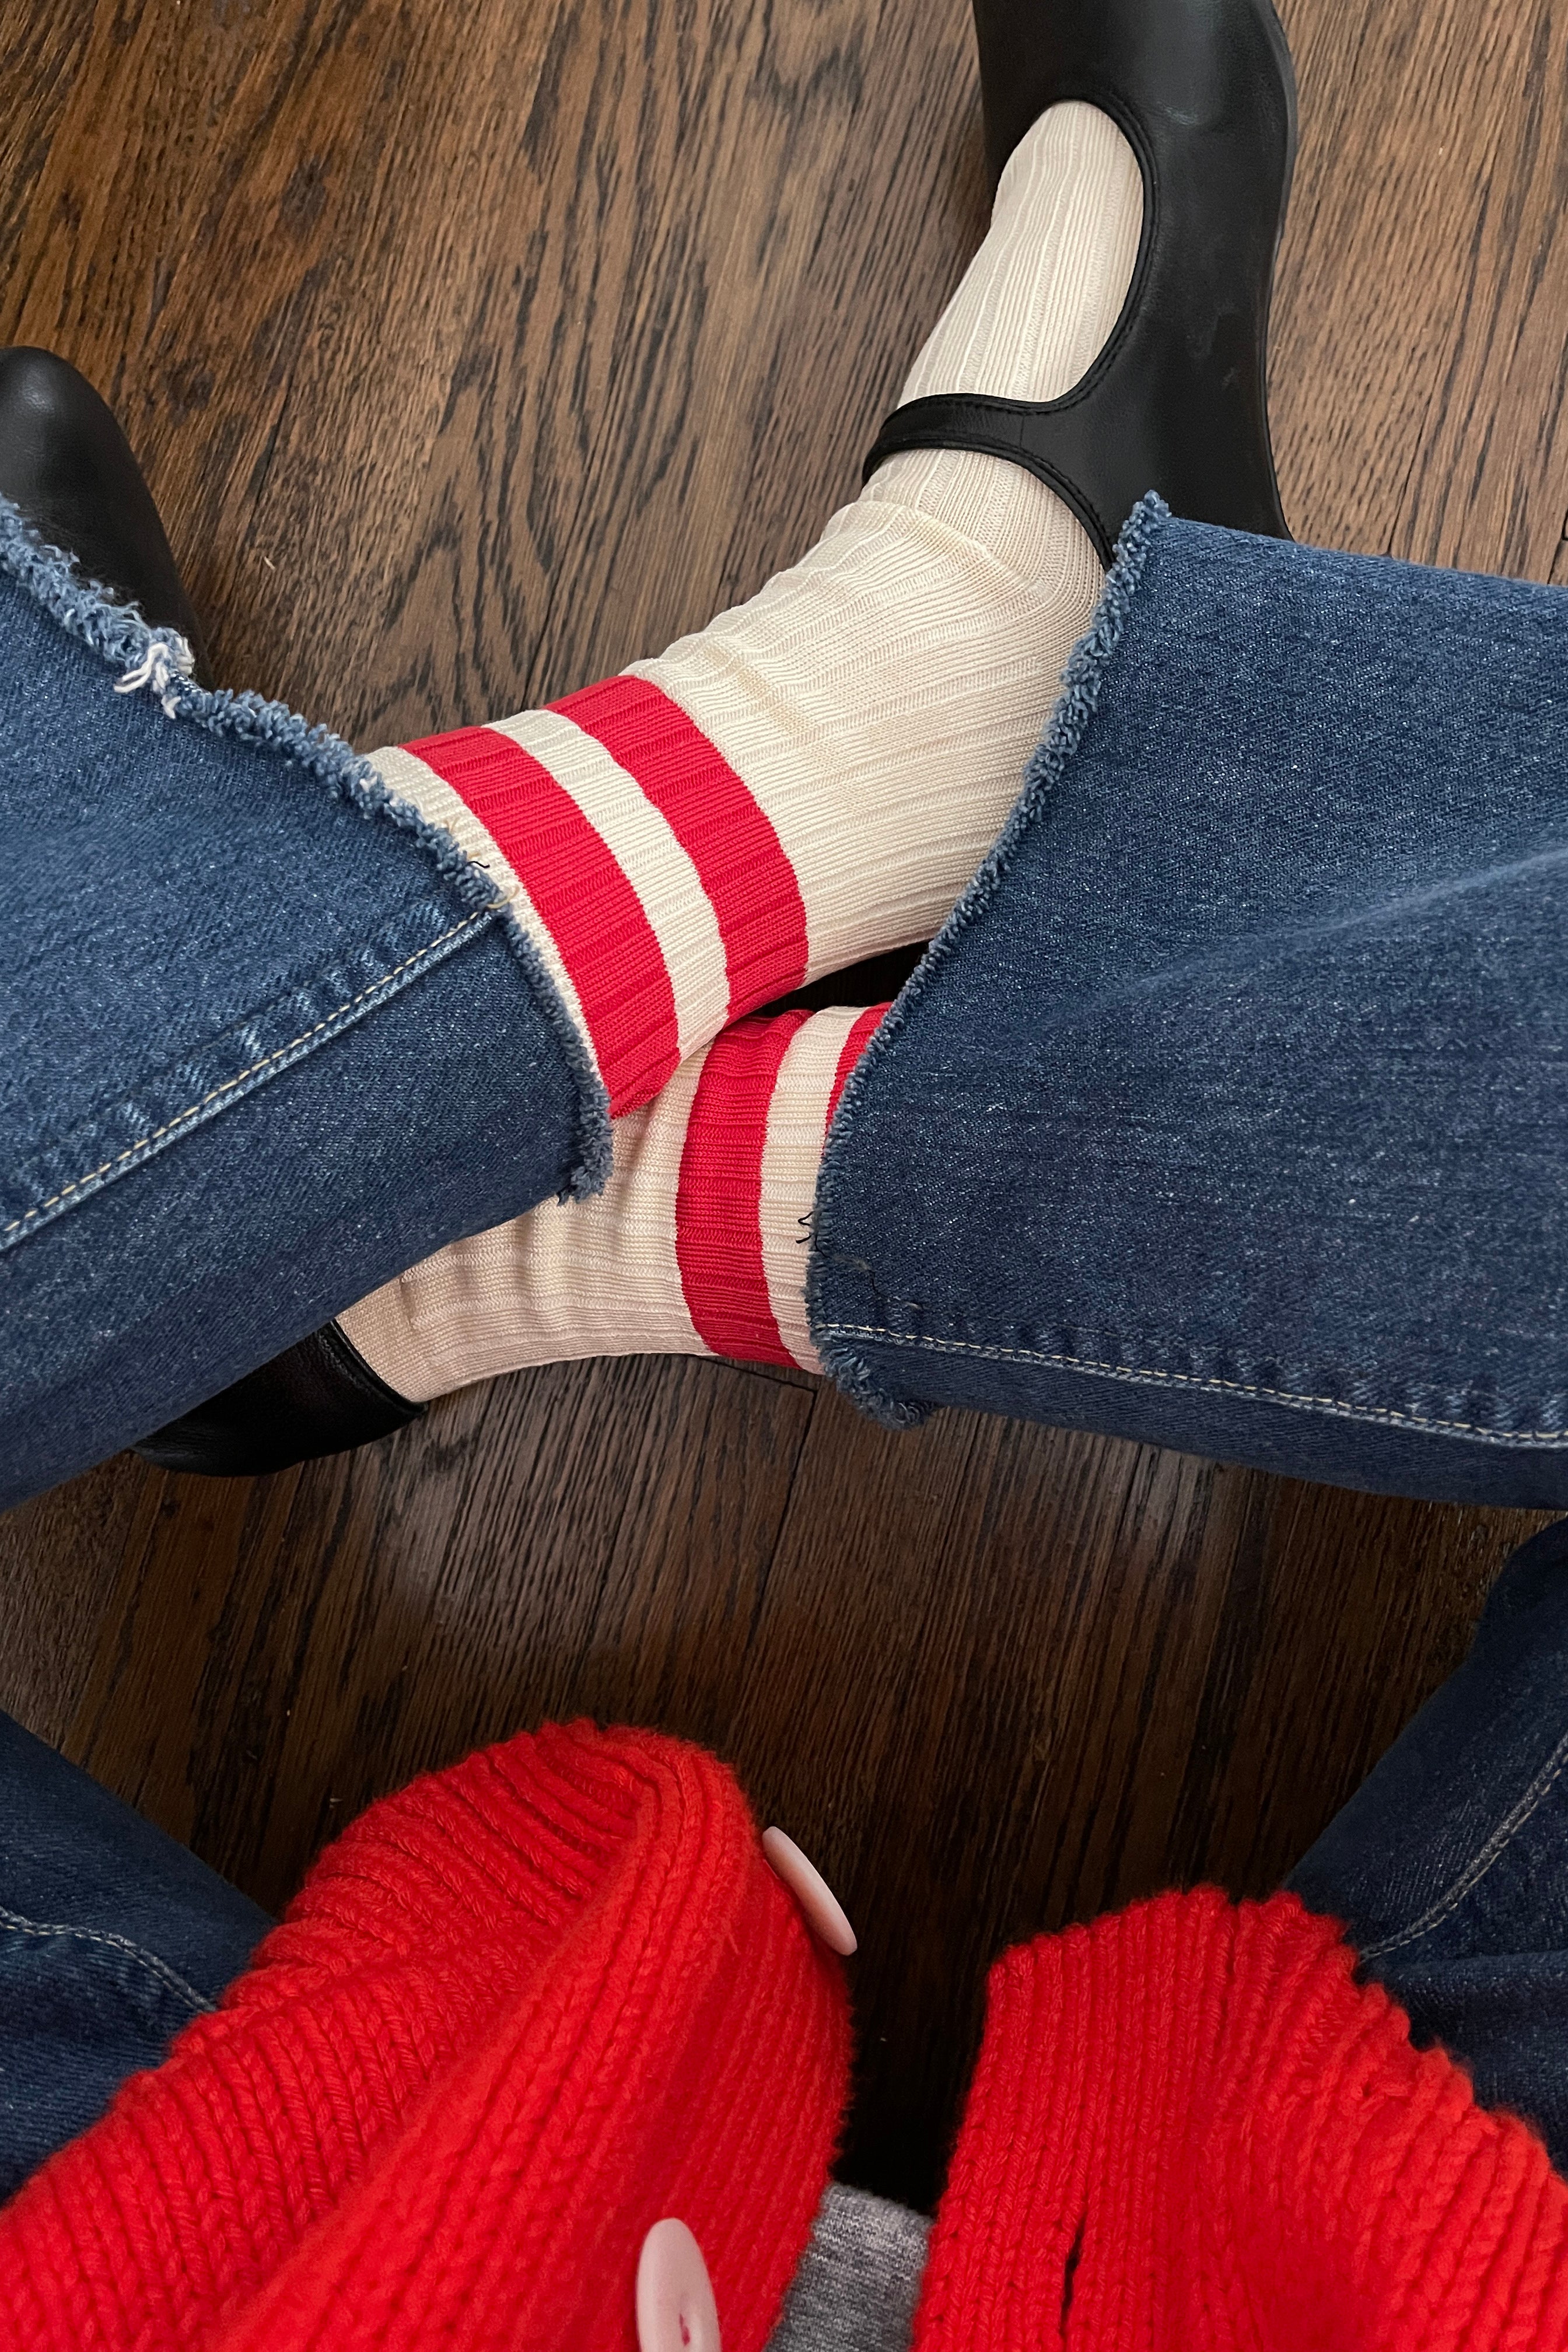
(1007, 514)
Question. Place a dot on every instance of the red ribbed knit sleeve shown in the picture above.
(1191, 2131)
(518, 2013)
(531, 2006)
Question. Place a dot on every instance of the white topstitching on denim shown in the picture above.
(197, 2003)
(1135, 1374)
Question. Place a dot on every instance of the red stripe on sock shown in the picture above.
(714, 815)
(718, 1201)
(855, 1045)
(591, 909)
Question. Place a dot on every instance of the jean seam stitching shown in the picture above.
(1133, 1373)
(1480, 1863)
(170, 1978)
(193, 1111)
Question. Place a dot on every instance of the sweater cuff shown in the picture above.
(1191, 2127)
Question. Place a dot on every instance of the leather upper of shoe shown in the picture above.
(67, 466)
(1177, 402)
(319, 1397)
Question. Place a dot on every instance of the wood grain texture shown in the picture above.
(468, 357)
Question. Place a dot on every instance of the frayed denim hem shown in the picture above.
(853, 1376)
(158, 661)
(1258, 1424)
(1083, 682)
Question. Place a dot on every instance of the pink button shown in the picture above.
(676, 2310)
(823, 1910)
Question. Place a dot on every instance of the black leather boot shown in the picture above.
(66, 464)
(1177, 402)
(67, 468)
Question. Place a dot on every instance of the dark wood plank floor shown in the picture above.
(471, 353)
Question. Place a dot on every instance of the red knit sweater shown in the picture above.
(534, 2004)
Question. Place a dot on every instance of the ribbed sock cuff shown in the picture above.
(698, 1246)
(640, 864)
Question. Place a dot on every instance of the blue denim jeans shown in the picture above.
(1229, 1110)
(1450, 1866)
(111, 1938)
(264, 1038)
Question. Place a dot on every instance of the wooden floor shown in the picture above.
(471, 353)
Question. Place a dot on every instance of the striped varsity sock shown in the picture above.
(814, 777)
(697, 1247)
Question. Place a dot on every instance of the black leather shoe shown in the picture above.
(1177, 402)
(67, 468)
(319, 1397)
(66, 464)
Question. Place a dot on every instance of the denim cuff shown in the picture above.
(267, 1035)
(1230, 1109)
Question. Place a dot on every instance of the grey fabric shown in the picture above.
(859, 2278)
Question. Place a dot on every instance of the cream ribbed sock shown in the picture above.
(816, 775)
(697, 1247)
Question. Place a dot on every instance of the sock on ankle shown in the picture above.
(814, 776)
(697, 1247)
